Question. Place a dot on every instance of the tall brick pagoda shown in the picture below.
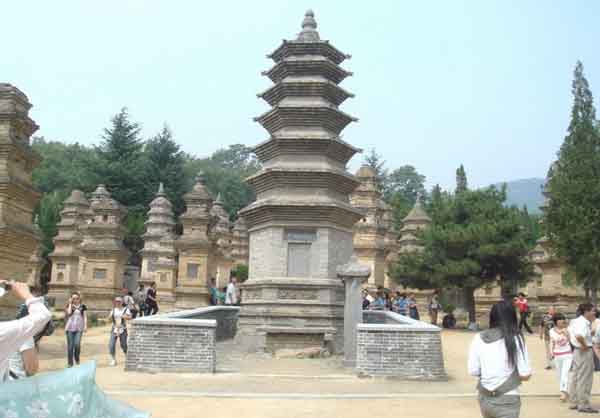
(301, 224)
(19, 238)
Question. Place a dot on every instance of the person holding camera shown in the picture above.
(14, 334)
(75, 326)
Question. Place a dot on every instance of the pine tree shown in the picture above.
(461, 180)
(572, 219)
(165, 164)
(473, 240)
(373, 160)
(121, 166)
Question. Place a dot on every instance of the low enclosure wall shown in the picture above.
(182, 341)
(389, 344)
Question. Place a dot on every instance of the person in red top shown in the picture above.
(523, 307)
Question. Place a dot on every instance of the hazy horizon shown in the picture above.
(437, 84)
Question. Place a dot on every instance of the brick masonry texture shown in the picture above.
(182, 341)
(167, 347)
(401, 350)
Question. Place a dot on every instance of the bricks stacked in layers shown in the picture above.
(301, 224)
(19, 238)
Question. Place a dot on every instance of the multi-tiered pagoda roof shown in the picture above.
(304, 176)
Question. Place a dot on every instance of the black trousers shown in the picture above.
(523, 322)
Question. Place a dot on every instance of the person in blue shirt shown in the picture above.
(379, 302)
(401, 304)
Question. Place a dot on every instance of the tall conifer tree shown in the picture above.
(572, 219)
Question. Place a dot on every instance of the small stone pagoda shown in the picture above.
(239, 242)
(195, 247)
(65, 257)
(370, 232)
(159, 262)
(103, 255)
(301, 224)
(20, 239)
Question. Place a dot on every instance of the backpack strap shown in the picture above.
(513, 382)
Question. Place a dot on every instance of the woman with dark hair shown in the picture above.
(498, 357)
(561, 353)
(151, 300)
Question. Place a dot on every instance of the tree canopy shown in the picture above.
(473, 240)
(572, 218)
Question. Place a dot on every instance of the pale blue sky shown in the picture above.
(437, 83)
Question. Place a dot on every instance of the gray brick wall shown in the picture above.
(392, 345)
(172, 345)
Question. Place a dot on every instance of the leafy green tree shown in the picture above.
(225, 172)
(48, 216)
(473, 240)
(166, 164)
(572, 219)
(64, 167)
(402, 187)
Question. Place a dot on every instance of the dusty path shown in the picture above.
(266, 387)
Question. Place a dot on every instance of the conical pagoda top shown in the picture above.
(76, 198)
(199, 193)
(309, 28)
(366, 171)
(417, 214)
(102, 201)
(160, 201)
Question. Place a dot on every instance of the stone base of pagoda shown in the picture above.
(280, 313)
(191, 297)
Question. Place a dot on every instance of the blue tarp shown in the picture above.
(69, 393)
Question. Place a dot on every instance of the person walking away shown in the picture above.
(118, 315)
(129, 302)
(498, 357)
(413, 310)
(140, 299)
(151, 300)
(75, 326)
(523, 307)
(231, 293)
(14, 334)
(580, 336)
(545, 327)
(561, 352)
(434, 307)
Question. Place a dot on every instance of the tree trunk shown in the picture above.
(587, 292)
(469, 297)
(594, 293)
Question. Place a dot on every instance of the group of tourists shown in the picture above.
(124, 308)
(401, 303)
(498, 356)
(229, 295)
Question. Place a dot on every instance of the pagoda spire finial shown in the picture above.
(309, 28)
(161, 189)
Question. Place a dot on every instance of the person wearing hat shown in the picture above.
(118, 315)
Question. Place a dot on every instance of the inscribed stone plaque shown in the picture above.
(298, 262)
(297, 294)
(192, 270)
(99, 274)
(300, 235)
(61, 266)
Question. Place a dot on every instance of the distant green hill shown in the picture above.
(525, 192)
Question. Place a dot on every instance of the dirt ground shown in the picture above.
(254, 386)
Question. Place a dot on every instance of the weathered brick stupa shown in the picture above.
(301, 223)
(19, 238)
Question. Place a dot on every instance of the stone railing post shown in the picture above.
(353, 274)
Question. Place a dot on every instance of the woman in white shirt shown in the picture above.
(562, 353)
(118, 315)
(498, 356)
